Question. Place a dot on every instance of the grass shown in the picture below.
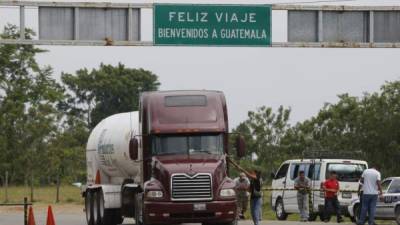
(267, 212)
(68, 194)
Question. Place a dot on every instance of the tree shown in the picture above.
(363, 128)
(263, 132)
(28, 108)
(106, 91)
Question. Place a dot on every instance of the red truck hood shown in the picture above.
(166, 165)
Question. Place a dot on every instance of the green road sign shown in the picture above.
(225, 25)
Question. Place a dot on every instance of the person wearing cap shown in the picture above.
(302, 185)
(242, 185)
(331, 188)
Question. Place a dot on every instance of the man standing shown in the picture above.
(371, 186)
(331, 188)
(302, 185)
(242, 185)
(256, 192)
(256, 195)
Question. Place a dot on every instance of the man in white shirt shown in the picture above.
(371, 186)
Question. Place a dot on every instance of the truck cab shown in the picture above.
(185, 139)
(177, 152)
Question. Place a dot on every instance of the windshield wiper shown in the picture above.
(202, 151)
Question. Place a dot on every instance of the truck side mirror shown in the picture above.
(272, 175)
(133, 149)
(240, 146)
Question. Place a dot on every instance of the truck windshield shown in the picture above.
(187, 144)
(346, 171)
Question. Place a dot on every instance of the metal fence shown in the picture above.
(25, 204)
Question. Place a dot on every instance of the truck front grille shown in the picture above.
(191, 188)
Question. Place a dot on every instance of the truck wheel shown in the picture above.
(112, 217)
(96, 210)
(139, 209)
(280, 210)
(89, 208)
(397, 214)
(356, 213)
(312, 217)
(234, 222)
(107, 216)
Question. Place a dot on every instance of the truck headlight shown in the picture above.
(154, 194)
(227, 192)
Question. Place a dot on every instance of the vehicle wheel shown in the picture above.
(322, 217)
(107, 216)
(280, 210)
(89, 208)
(234, 222)
(96, 210)
(397, 214)
(312, 217)
(139, 209)
(112, 217)
(357, 214)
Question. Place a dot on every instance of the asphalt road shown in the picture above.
(16, 218)
(79, 219)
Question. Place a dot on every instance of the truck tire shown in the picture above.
(312, 217)
(89, 208)
(139, 209)
(234, 222)
(96, 207)
(280, 210)
(397, 215)
(356, 213)
(107, 216)
(112, 217)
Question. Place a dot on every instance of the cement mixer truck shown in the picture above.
(164, 164)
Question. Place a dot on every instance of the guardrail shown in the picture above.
(25, 205)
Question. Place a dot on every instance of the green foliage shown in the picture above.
(28, 113)
(107, 90)
(363, 128)
(263, 132)
(45, 126)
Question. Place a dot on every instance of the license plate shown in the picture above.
(346, 195)
(199, 206)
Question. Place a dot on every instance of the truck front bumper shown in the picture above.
(184, 212)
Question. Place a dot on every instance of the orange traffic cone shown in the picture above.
(31, 218)
(50, 217)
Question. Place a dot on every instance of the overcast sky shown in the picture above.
(303, 79)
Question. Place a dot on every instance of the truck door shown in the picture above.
(290, 199)
(381, 204)
(278, 183)
(314, 175)
(391, 196)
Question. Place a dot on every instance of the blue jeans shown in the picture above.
(368, 205)
(255, 207)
